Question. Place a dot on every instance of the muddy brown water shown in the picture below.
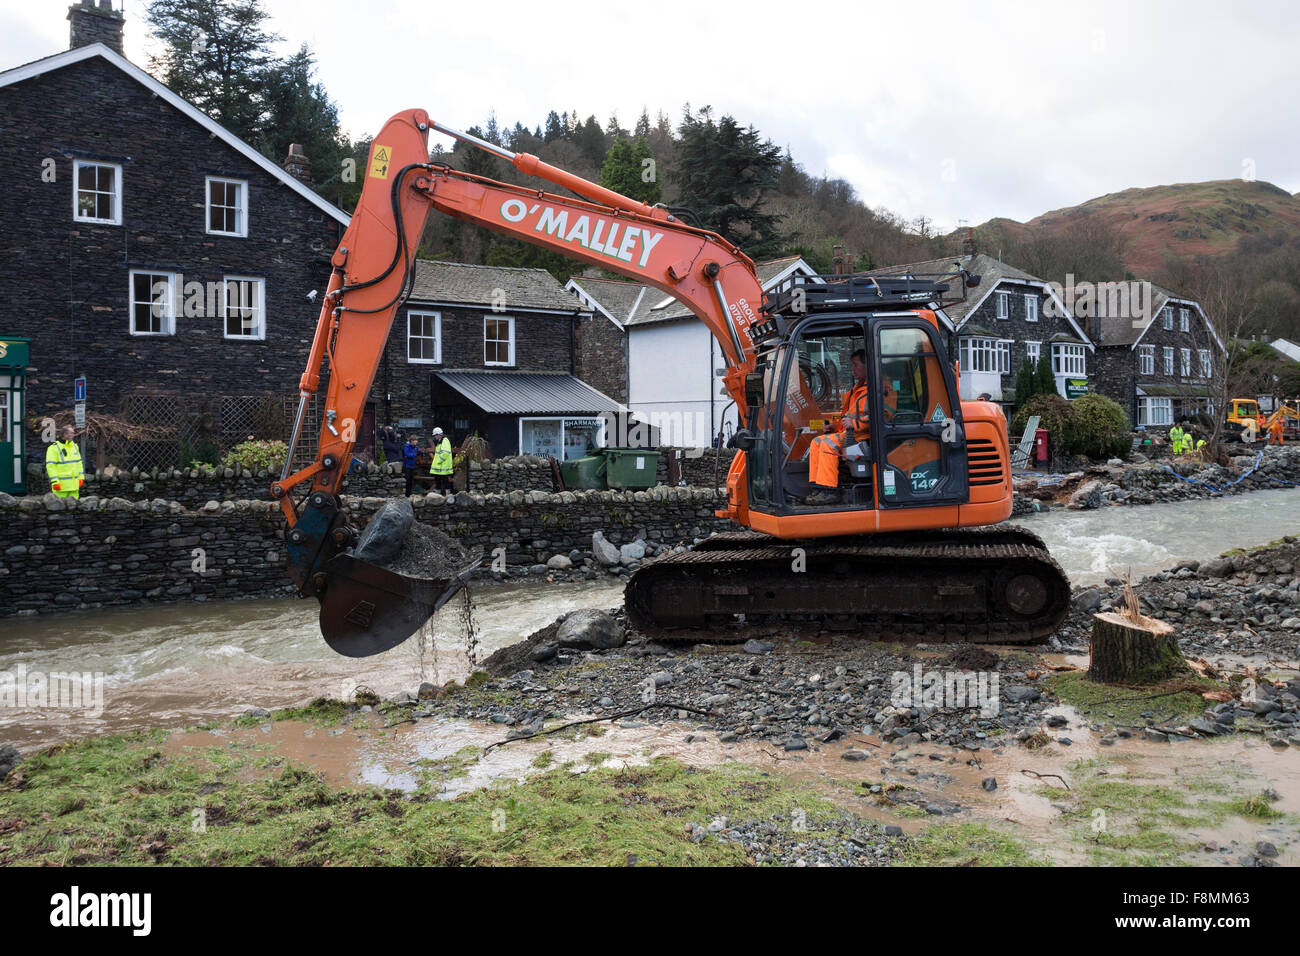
(187, 664)
(361, 755)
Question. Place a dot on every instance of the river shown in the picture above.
(183, 664)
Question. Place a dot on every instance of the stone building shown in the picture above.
(147, 247)
(491, 350)
(1009, 317)
(1161, 369)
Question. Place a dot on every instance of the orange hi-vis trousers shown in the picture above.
(824, 459)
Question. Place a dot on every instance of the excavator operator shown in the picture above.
(826, 450)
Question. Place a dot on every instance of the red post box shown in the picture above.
(1040, 444)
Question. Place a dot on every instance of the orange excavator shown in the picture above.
(898, 548)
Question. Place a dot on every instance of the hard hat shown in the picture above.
(437, 431)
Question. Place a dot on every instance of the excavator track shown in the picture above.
(995, 586)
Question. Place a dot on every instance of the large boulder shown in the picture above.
(383, 537)
(590, 628)
(605, 552)
(629, 553)
(1087, 495)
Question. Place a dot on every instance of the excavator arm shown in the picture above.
(367, 609)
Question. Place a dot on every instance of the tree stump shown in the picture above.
(1126, 650)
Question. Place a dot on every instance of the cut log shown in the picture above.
(1129, 651)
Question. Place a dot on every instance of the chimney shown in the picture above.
(95, 24)
(968, 244)
(297, 164)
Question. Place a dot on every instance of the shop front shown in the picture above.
(14, 359)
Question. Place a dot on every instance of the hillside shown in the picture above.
(1180, 221)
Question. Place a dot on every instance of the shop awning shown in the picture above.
(529, 393)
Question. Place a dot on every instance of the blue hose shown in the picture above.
(1239, 478)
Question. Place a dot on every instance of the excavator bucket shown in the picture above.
(396, 578)
(367, 609)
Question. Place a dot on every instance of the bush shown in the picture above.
(255, 455)
(1101, 428)
(1056, 415)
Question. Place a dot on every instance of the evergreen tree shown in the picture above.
(298, 110)
(642, 125)
(723, 172)
(216, 54)
(590, 139)
(1046, 377)
(1026, 382)
(625, 171)
(554, 128)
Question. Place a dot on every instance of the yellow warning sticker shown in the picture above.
(379, 161)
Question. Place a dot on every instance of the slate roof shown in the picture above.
(459, 283)
(667, 309)
(527, 393)
(621, 299)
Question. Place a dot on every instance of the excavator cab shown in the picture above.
(864, 414)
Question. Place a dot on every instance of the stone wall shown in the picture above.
(111, 551)
(698, 472)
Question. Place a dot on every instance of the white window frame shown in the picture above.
(1167, 315)
(1207, 363)
(1168, 355)
(1146, 359)
(259, 309)
(1185, 363)
(1031, 307)
(169, 318)
(1147, 405)
(1033, 351)
(1069, 360)
(1184, 320)
(1003, 352)
(494, 317)
(241, 209)
(979, 353)
(1004, 305)
(437, 337)
(116, 220)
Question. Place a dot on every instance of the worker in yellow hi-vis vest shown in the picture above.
(441, 465)
(63, 465)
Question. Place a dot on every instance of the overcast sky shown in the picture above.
(955, 111)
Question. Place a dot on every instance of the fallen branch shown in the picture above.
(596, 720)
(1039, 776)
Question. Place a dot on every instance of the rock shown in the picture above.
(427, 691)
(893, 830)
(605, 553)
(1086, 496)
(1019, 694)
(854, 755)
(753, 646)
(543, 652)
(590, 628)
(382, 539)
(261, 713)
(661, 678)
(796, 743)
(989, 784)
(559, 562)
(9, 758)
(1266, 849)
(1087, 600)
(629, 553)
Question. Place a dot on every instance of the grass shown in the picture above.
(1127, 704)
(123, 800)
(1119, 821)
(969, 844)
